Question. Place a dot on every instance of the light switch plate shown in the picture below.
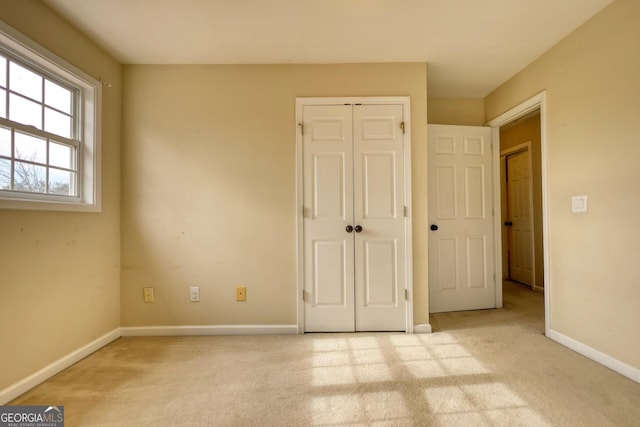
(194, 293)
(579, 204)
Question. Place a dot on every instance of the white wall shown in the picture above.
(456, 111)
(60, 271)
(210, 197)
(593, 92)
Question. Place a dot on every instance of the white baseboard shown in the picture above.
(422, 328)
(593, 354)
(16, 389)
(159, 331)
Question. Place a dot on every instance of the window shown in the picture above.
(49, 141)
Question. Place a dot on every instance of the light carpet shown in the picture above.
(480, 368)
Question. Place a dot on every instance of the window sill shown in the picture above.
(46, 205)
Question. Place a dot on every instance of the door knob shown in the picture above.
(508, 223)
(358, 229)
(349, 229)
(434, 227)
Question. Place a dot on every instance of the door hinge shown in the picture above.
(405, 211)
(301, 127)
(306, 297)
(406, 294)
(402, 126)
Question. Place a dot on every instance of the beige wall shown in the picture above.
(210, 196)
(593, 94)
(511, 136)
(59, 271)
(456, 111)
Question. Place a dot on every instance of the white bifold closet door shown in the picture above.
(354, 225)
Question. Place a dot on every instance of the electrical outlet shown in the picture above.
(148, 295)
(241, 293)
(194, 293)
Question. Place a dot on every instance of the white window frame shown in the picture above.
(89, 170)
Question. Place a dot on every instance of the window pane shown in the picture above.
(5, 174)
(57, 123)
(30, 148)
(3, 103)
(24, 111)
(5, 142)
(3, 71)
(61, 155)
(25, 81)
(60, 182)
(57, 97)
(30, 178)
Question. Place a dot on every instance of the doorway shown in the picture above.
(533, 107)
(521, 201)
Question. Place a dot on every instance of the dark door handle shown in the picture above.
(349, 229)
(434, 227)
(358, 228)
(508, 223)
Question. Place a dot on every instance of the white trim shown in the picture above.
(422, 328)
(405, 101)
(595, 355)
(379, 100)
(408, 220)
(536, 102)
(22, 386)
(522, 148)
(171, 331)
(299, 219)
(518, 111)
(497, 217)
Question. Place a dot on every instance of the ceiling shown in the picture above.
(472, 46)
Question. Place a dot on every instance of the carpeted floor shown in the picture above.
(491, 367)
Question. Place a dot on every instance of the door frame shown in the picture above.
(522, 148)
(536, 102)
(405, 101)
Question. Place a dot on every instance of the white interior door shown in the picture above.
(519, 214)
(461, 239)
(354, 225)
(378, 209)
(328, 210)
